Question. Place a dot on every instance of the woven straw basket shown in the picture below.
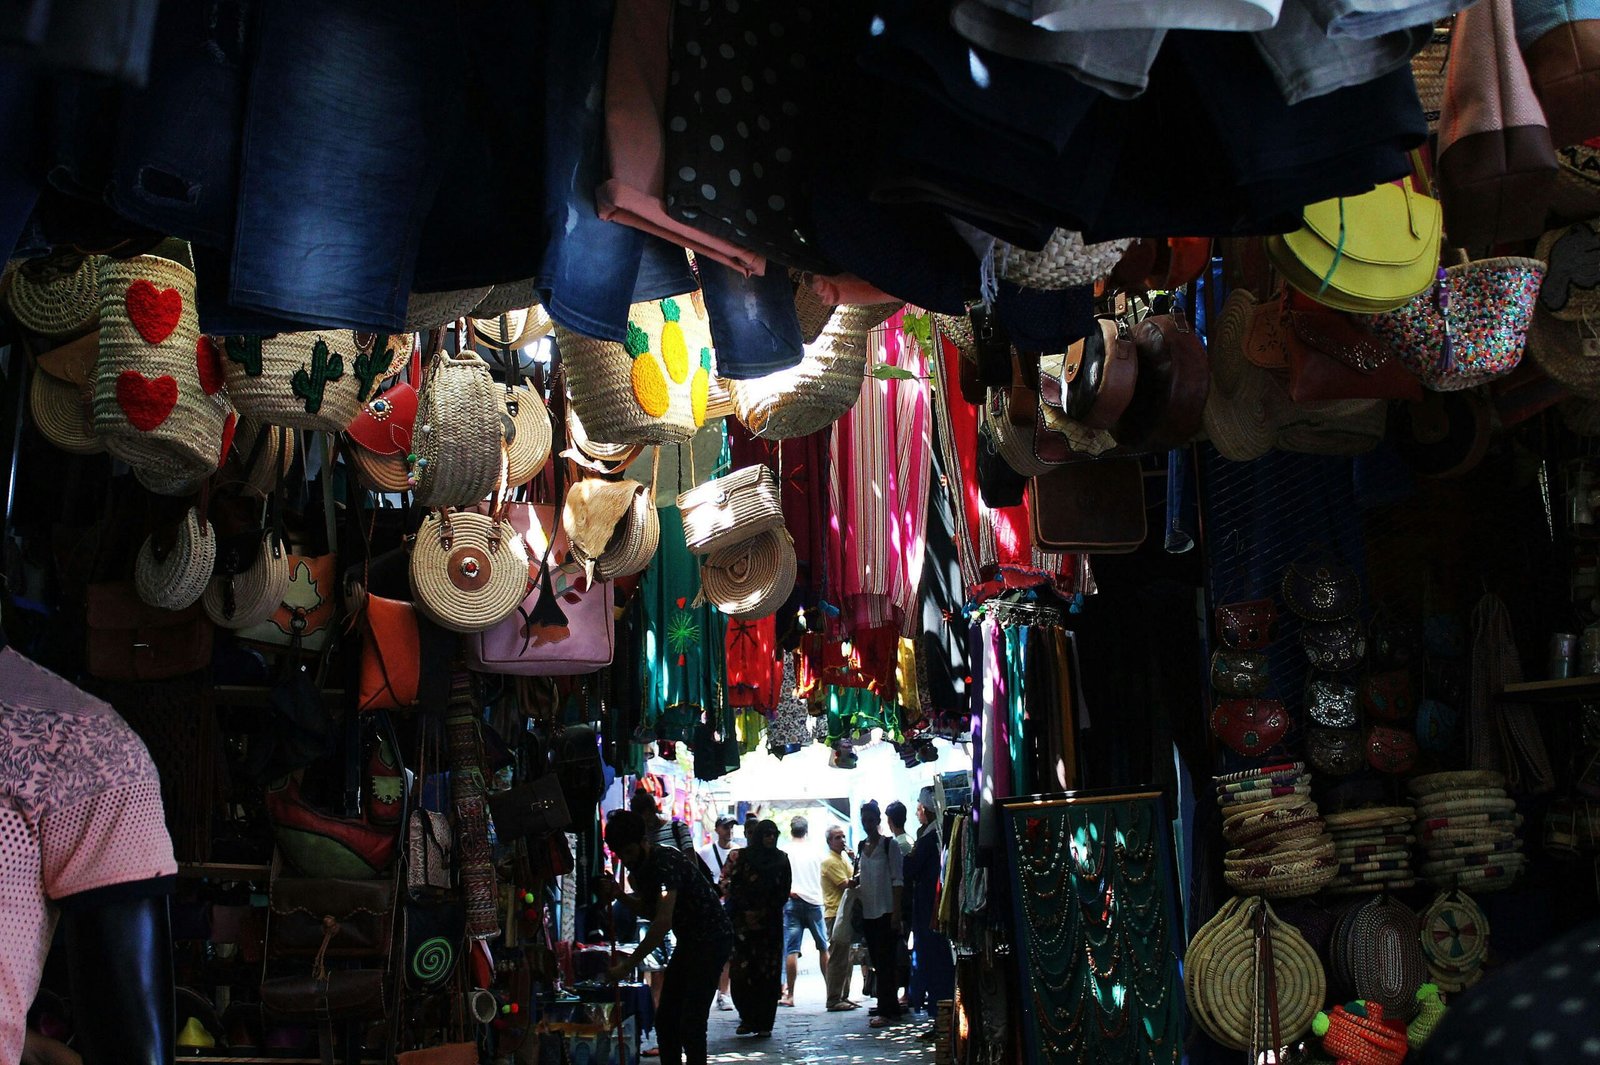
(612, 525)
(262, 454)
(1219, 976)
(469, 571)
(729, 509)
(458, 439)
(514, 327)
(158, 398)
(63, 414)
(752, 578)
(314, 380)
(249, 597)
(822, 389)
(810, 309)
(1428, 68)
(176, 578)
(1064, 262)
(651, 389)
(529, 447)
(56, 298)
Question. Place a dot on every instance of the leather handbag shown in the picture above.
(1365, 254)
(1334, 646)
(1239, 673)
(1089, 507)
(129, 640)
(391, 655)
(1247, 626)
(1497, 163)
(1331, 702)
(517, 646)
(1391, 750)
(1320, 591)
(729, 509)
(361, 912)
(1387, 696)
(1099, 392)
(1336, 752)
(1250, 726)
(530, 810)
(336, 995)
(1332, 356)
(322, 844)
(1057, 438)
(1173, 383)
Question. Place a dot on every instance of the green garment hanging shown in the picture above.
(681, 654)
(852, 711)
(1016, 650)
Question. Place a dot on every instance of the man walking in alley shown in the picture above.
(838, 900)
(803, 913)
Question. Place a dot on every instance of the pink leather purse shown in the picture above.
(514, 646)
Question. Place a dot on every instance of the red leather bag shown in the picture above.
(1250, 726)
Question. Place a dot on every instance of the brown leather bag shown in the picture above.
(391, 655)
(1107, 375)
(130, 640)
(1174, 381)
(337, 995)
(1564, 65)
(362, 910)
(1332, 357)
(1089, 507)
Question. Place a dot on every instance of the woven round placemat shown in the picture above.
(1306, 848)
(1505, 859)
(1288, 778)
(1340, 887)
(1236, 811)
(1261, 772)
(1486, 818)
(1265, 825)
(1429, 783)
(1392, 839)
(1440, 851)
(1353, 862)
(1287, 835)
(175, 579)
(1458, 807)
(1481, 880)
(240, 600)
(1222, 993)
(1458, 794)
(1368, 817)
(1233, 799)
(1455, 934)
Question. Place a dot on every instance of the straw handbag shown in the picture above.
(654, 387)
(469, 571)
(313, 380)
(459, 439)
(528, 448)
(612, 526)
(1221, 977)
(158, 398)
(729, 509)
(245, 592)
(822, 389)
(174, 577)
(61, 395)
(56, 297)
(750, 579)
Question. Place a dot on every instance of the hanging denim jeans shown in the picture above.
(753, 323)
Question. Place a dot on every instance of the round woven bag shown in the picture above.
(313, 380)
(822, 388)
(528, 444)
(56, 297)
(1064, 262)
(175, 578)
(652, 388)
(612, 525)
(1455, 939)
(469, 571)
(159, 401)
(752, 578)
(513, 328)
(1220, 976)
(1566, 294)
(459, 439)
(247, 592)
(597, 455)
(63, 413)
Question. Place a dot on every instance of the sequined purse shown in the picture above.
(1321, 591)
(1331, 702)
(1239, 673)
(1334, 646)
(1247, 626)
(1336, 752)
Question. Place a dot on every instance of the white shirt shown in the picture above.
(805, 870)
(715, 855)
(880, 872)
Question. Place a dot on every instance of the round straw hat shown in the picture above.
(1065, 261)
(56, 297)
(251, 596)
(528, 449)
(64, 414)
(752, 578)
(1241, 424)
(1231, 327)
(469, 572)
(431, 310)
(174, 579)
(612, 524)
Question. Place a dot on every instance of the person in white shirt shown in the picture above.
(715, 856)
(803, 912)
(878, 883)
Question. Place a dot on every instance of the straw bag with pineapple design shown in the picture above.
(655, 386)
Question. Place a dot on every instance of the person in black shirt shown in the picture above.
(672, 894)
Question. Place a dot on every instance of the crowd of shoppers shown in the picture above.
(740, 917)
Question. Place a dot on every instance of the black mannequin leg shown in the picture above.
(120, 958)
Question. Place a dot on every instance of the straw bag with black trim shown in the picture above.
(310, 380)
(528, 431)
(654, 387)
(172, 569)
(251, 575)
(613, 526)
(725, 510)
(159, 398)
(459, 438)
(56, 297)
(304, 618)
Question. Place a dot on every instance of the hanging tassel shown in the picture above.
(547, 622)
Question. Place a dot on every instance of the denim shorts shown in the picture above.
(798, 919)
(753, 321)
(345, 114)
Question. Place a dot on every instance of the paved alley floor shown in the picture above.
(809, 1035)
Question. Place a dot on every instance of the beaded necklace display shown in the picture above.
(1097, 926)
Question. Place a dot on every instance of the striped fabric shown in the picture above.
(882, 456)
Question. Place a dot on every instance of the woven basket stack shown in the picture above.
(1279, 846)
(1467, 826)
(1373, 846)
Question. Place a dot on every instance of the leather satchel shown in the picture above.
(129, 640)
(1089, 507)
(1107, 374)
(337, 995)
(391, 655)
(530, 810)
(587, 641)
(1332, 357)
(1173, 383)
(447, 1054)
(1247, 626)
(361, 910)
(1249, 726)
(1391, 750)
